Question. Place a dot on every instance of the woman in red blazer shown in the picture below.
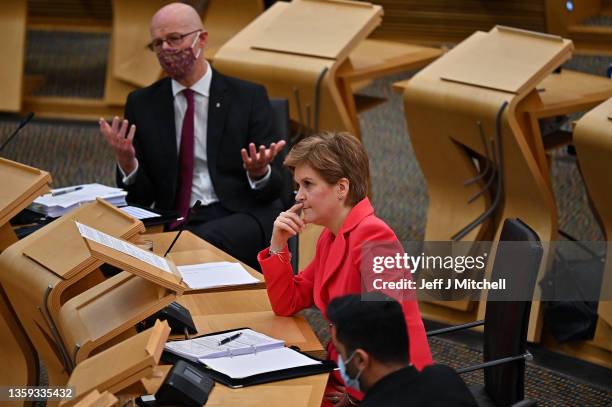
(332, 172)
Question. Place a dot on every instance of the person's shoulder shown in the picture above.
(440, 372)
(438, 375)
(238, 83)
(150, 91)
(438, 368)
(372, 224)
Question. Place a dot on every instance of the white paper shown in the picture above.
(217, 274)
(87, 193)
(139, 213)
(209, 346)
(58, 205)
(238, 367)
(124, 247)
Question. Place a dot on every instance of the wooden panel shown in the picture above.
(70, 13)
(224, 18)
(16, 351)
(435, 21)
(559, 18)
(12, 46)
(466, 109)
(132, 62)
(594, 150)
(308, 244)
(309, 27)
(19, 186)
(589, 38)
(505, 59)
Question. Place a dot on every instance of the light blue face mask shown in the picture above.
(350, 382)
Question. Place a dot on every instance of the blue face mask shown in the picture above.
(350, 382)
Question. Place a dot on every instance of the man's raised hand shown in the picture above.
(256, 161)
(120, 140)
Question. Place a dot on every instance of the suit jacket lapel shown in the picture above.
(338, 248)
(335, 258)
(166, 131)
(218, 107)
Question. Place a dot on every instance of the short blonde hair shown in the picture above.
(334, 156)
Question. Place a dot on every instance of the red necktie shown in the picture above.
(186, 154)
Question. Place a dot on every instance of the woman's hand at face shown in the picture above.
(286, 225)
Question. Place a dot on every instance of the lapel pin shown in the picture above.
(218, 104)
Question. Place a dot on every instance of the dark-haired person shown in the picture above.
(200, 135)
(332, 172)
(369, 333)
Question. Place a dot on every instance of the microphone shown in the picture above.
(21, 126)
(195, 206)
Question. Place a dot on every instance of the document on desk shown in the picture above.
(63, 200)
(139, 213)
(124, 247)
(239, 367)
(216, 274)
(232, 343)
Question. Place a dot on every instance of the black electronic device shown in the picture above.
(178, 317)
(185, 385)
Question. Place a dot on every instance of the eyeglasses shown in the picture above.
(174, 40)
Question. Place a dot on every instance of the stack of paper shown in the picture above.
(139, 213)
(63, 200)
(215, 274)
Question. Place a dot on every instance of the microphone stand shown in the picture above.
(21, 126)
(195, 206)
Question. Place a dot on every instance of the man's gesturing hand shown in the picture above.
(256, 161)
(120, 142)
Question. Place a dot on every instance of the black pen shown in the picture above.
(229, 339)
(66, 191)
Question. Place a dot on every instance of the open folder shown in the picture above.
(239, 342)
(258, 359)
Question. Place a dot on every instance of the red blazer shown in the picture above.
(335, 271)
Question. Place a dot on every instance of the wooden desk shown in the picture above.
(468, 87)
(220, 311)
(324, 76)
(19, 186)
(59, 268)
(301, 392)
(557, 95)
(190, 249)
(592, 137)
(216, 311)
(372, 59)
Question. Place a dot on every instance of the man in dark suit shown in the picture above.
(369, 332)
(200, 135)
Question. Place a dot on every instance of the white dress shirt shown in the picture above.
(202, 187)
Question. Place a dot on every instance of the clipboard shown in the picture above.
(326, 366)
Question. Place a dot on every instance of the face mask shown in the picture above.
(354, 382)
(178, 63)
